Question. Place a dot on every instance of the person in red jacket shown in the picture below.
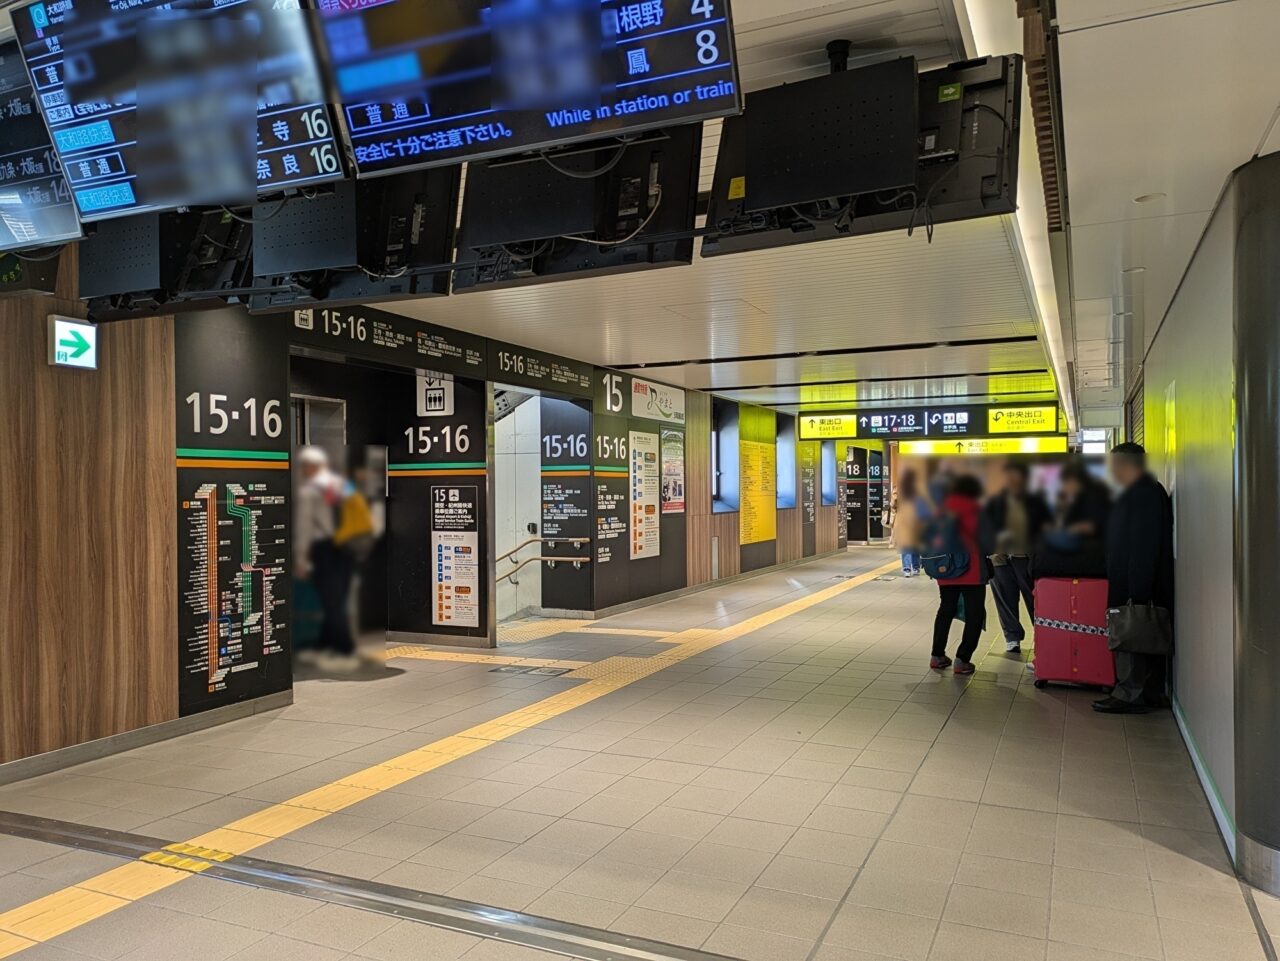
(964, 503)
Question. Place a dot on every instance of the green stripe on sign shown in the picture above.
(610, 470)
(559, 467)
(478, 465)
(233, 454)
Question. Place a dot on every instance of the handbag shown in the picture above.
(1140, 629)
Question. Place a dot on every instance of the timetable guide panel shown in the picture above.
(233, 569)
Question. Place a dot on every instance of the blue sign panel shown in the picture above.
(157, 104)
(427, 84)
(35, 202)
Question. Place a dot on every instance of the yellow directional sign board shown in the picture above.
(1040, 419)
(828, 426)
(983, 446)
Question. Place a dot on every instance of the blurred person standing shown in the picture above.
(951, 556)
(907, 523)
(319, 558)
(1139, 573)
(1073, 544)
(1011, 524)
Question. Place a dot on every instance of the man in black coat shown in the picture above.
(1012, 522)
(1139, 569)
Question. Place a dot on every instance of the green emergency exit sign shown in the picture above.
(72, 343)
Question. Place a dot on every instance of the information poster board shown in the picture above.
(437, 475)
(455, 552)
(855, 484)
(234, 510)
(651, 401)
(566, 500)
(673, 498)
(646, 492)
(611, 484)
(842, 516)
(759, 493)
(641, 537)
(875, 494)
(809, 454)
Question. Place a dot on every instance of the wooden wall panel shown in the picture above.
(88, 626)
(828, 538)
(790, 536)
(703, 534)
(697, 453)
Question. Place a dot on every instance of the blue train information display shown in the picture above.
(155, 104)
(35, 202)
(426, 84)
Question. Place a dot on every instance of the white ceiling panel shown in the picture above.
(904, 364)
(858, 292)
(1162, 99)
(1163, 246)
(1167, 104)
(1081, 14)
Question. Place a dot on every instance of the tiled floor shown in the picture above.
(807, 791)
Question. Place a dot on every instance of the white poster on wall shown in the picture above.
(645, 477)
(652, 401)
(455, 556)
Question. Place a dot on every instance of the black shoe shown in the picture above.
(1111, 705)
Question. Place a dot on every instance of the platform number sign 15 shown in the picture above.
(613, 393)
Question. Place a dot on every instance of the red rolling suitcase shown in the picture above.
(1071, 632)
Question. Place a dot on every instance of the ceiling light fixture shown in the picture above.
(1149, 198)
(1134, 270)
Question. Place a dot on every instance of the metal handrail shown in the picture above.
(549, 541)
(577, 563)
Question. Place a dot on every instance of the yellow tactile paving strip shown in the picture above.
(626, 632)
(522, 632)
(464, 657)
(62, 911)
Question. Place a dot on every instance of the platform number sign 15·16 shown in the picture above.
(215, 414)
(427, 439)
(558, 446)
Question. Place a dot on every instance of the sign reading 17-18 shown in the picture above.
(72, 343)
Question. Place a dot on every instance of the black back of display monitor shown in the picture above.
(966, 167)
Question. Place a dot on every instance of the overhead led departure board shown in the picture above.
(35, 203)
(424, 84)
(157, 104)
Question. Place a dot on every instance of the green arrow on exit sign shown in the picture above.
(950, 91)
(76, 345)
